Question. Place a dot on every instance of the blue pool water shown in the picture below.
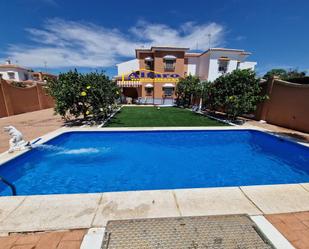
(87, 162)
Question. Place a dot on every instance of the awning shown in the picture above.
(149, 86)
(169, 57)
(128, 83)
(148, 58)
(224, 59)
(168, 85)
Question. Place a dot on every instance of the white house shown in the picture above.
(215, 62)
(14, 72)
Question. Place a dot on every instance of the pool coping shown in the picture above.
(68, 211)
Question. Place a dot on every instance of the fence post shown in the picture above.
(39, 96)
(6, 98)
(265, 107)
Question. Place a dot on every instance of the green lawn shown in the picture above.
(165, 116)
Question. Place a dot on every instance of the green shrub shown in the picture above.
(188, 89)
(90, 95)
(18, 84)
(285, 74)
(235, 93)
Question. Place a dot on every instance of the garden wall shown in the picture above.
(15, 100)
(288, 105)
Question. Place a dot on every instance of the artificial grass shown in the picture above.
(153, 117)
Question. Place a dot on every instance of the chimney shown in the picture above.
(8, 62)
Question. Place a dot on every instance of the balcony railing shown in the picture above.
(169, 67)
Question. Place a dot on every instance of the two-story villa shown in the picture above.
(151, 78)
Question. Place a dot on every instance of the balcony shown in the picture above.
(169, 67)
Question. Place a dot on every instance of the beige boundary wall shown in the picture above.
(288, 105)
(15, 100)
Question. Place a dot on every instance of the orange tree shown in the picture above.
(91, 95)
(235, 93)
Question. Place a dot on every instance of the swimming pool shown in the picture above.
(89, 162)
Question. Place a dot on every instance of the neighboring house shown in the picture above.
(42, 76)
(13, 72)
(153, 75)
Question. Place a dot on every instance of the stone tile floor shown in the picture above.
(293, 226)
(44, 240)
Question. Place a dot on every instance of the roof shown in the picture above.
(12, 66)
(227, 50)
(189, 54)
(44, 74)
(192, 54)
(160, 48)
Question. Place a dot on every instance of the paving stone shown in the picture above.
(304, 216)
(9, 204)
(25, 247)
(28, 239)
(69, 245)
(135, 204)
(52, 212)
(7, 242)
(49, 240)
(76, 235)
(214, 201)
(279, 198)
(292, 227)
(306, 186)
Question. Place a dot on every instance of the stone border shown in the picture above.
(68, 211)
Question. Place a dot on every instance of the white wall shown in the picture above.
(232, 66)
(247, 65)
(213, 70)
(19, 73)
(128, 66)
(209, 64)
(203, 66)
(193, 63)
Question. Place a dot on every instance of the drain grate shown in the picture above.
(232, 231)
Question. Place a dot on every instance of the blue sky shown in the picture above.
(97, 34)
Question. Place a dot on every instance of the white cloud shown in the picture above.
(240, 38)
(72, 44)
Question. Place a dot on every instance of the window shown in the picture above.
(149, 65)
(168, 91)
(35, 77)
(11, 75)
(238, 65)
(169, 65)
(148, 91)
(26, 77)
(223, 65)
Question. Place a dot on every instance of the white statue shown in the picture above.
(17, 141)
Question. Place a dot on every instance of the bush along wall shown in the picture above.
(235, 93)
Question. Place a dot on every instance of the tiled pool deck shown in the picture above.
(62, 212)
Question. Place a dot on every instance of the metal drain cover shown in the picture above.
(232, 231)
